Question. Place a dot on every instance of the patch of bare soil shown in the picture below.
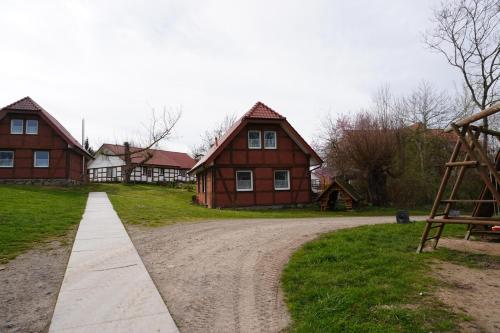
(474, 292)
(30, 284)
(225, 276)
(480, 247)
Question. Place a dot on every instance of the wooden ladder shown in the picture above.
(475, 157)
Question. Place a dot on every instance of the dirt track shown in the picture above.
(224, 276)
(29, 286)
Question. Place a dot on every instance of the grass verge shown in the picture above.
(152, 205)
(30, 214)
(369, 279)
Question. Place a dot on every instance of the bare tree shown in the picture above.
(423, 109)
(367, 144)
(426, 107)
(159, 128)
(384, 104)
(467, 33)
(462, 101)
(209, 136)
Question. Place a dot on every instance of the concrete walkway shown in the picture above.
(106, 287)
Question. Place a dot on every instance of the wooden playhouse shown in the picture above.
(339, 191)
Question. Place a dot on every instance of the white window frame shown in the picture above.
(260, 139)
(26, 126)
(274, 180)
(275, 140)
(251, 181)
(13, 157)
(34, 159)
(11, 126)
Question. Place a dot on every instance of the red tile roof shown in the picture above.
(258, 111)
(262, 111)
(160, 157)
(27, 104)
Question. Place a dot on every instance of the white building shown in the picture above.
(163, 166)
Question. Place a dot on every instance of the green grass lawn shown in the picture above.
(32, 214)
(369, 279)
(158, 205)
(29, 215)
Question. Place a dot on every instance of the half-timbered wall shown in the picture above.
(64, 163)
(139, 174)
(220, 179)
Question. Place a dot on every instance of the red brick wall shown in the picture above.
(63, 163)
(263, 162)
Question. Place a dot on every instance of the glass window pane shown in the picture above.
(269, 139)
(41, 159)
(244, 180)
(281, 180)
(16, 126)
(254, 139)
(31, 126)
(6, 159)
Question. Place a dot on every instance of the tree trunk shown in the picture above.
(485, 137)
(128, 163)
(377, 181)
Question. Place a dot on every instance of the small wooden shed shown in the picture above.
(339, 191)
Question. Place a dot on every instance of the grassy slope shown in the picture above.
(157, 205)
(32, 214)
(369, 279)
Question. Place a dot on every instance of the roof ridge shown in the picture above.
(263, 113)
(28, 104)
(261, 110)
(35, 105)
(135, 147)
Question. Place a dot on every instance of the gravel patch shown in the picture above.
(224, 276)
(30, 284)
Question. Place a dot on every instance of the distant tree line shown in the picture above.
(395, 149)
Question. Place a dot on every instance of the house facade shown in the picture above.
(260, 161)
(163, 166)
(36, 148)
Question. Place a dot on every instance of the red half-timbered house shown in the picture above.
(260, 161)
(35, 147)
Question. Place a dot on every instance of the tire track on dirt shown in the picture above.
(224, 276)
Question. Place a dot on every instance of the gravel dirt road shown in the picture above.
(224, 276)
(29, 285)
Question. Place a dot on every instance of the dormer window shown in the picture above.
(31, 126)
(16, 126)
(269, 140)
(254, 140)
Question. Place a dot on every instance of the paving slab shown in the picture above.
(106, 287)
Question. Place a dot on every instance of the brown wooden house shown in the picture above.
(36, 148)
(260, 161)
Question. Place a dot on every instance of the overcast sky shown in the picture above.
(112, 61)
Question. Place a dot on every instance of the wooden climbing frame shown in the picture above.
(476, 158)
